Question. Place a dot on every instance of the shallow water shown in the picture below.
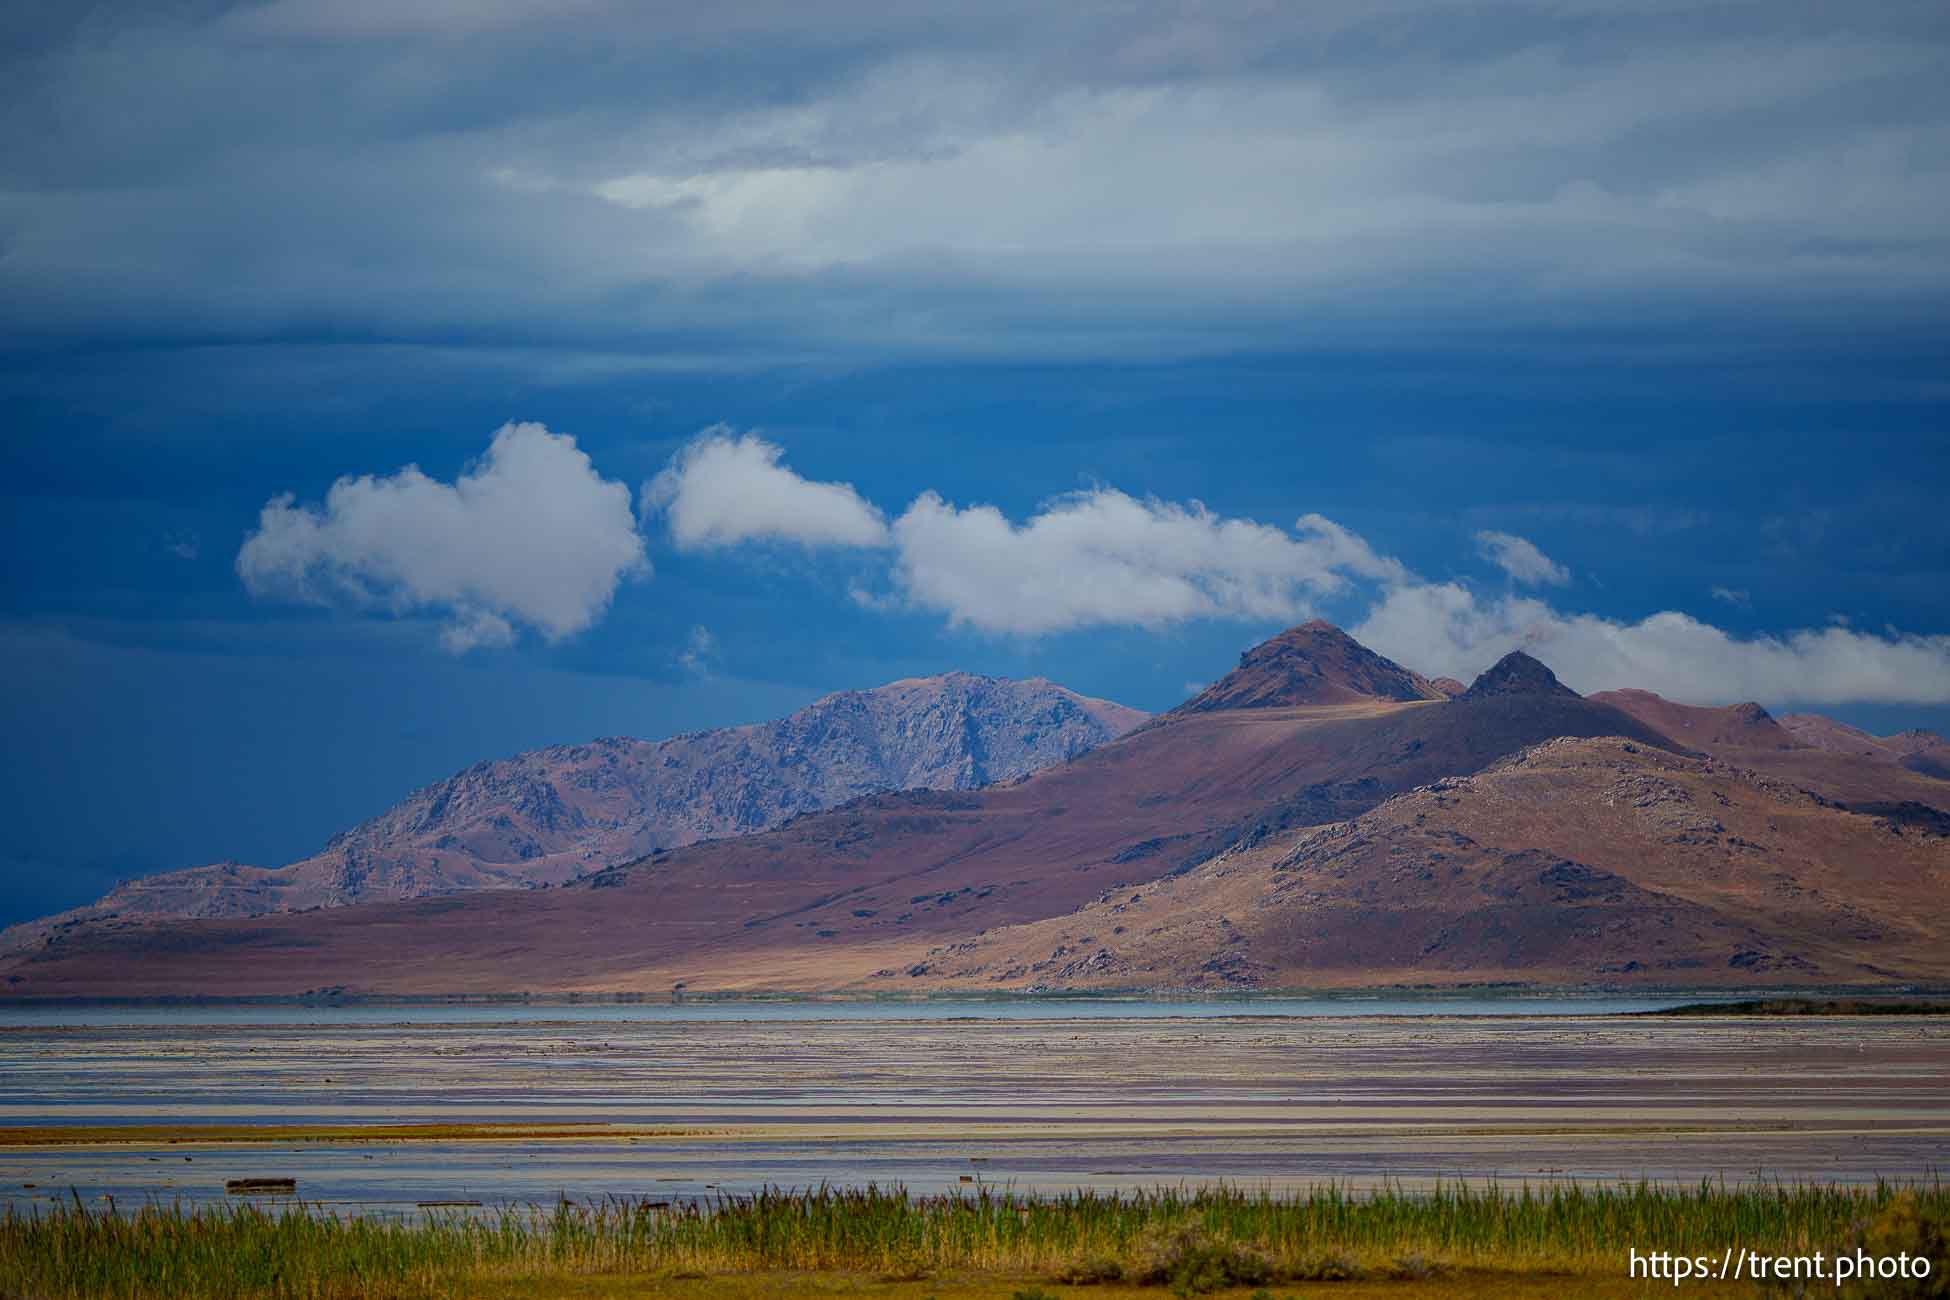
(1036, 1104)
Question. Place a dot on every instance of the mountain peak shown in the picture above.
(1314, 663)
(1517, 674)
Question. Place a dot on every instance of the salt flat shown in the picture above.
(682, 1109)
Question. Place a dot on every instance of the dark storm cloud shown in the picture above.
(1084, 181)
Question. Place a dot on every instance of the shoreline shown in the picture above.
(1705, 994)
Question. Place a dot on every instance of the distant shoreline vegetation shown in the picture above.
(1190, 1242)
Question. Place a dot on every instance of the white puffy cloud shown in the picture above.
(1445, 629)
(725, 488)
(531, 535)
(1520, 558)
(1102, 557)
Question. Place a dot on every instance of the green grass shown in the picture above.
(1189, 1242)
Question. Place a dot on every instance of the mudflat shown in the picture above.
(382, 1118)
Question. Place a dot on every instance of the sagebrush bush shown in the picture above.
(1091, 1270)
(1185, 1257)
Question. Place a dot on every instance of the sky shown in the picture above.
(387, 386)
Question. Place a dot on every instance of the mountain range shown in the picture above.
(1318, 817)
(547, 816)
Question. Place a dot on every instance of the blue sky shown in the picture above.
(832, 347)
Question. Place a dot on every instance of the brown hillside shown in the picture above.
(1736, 726)
(1914, 741)
(1578, 861)
(1922, 752)
(1824, 733)
(1904, 775)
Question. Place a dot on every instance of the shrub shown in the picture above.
(1187, 1259)
(1089, 1270)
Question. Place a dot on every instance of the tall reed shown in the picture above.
(299, 1251)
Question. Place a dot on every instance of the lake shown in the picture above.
(677, 1105)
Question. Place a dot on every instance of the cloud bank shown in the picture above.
(726, 488)
(1445, 629)
(532, 535)
(1092, 177)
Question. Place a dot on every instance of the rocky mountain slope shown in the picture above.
(1515, 832)
(550, 815)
